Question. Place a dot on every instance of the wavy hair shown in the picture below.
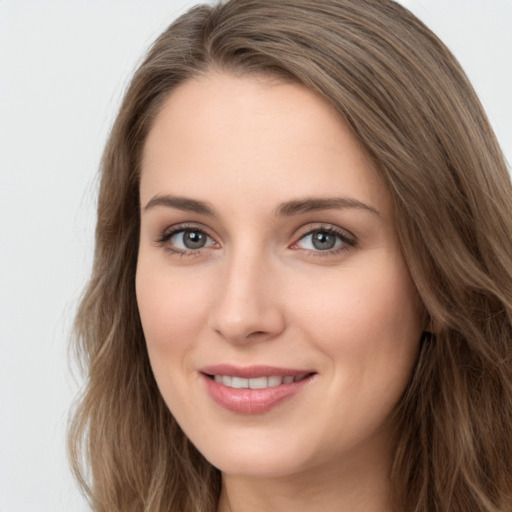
(412, 108)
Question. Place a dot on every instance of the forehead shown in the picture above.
(237, 136)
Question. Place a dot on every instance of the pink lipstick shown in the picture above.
(253, 389)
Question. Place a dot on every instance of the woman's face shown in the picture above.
(281, 322)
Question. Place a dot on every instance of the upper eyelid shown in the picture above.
(300, 233)
(164, 239)
(186, 226)
(332, 228)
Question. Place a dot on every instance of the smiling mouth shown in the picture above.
(263, 382)
(254, 389)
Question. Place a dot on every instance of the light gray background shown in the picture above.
(63, 68)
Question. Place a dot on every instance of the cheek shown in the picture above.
(368, 323)
(172, 314)
(362, 305)
(369, 329)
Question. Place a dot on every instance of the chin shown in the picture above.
(257, 467)
(258, 458)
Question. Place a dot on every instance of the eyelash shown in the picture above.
(182, 228)
(347, 241)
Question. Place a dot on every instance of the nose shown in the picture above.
(247, 305)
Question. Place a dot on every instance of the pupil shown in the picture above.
(194, 239)
(323, 241)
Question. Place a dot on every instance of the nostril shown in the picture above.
(257, 336)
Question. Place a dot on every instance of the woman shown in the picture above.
(302, 290)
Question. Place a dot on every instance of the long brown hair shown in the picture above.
(414, 111)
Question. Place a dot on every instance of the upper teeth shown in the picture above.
(257, 383)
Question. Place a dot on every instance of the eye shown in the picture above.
(184, 241)
(325, 240)
(190, 239)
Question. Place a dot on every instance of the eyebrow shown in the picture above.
(181, 203)
(286, 209)
(331, 203)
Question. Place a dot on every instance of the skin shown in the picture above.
(260, 292)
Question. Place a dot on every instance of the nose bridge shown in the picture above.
(246, 303)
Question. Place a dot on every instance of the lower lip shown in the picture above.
(252, 401)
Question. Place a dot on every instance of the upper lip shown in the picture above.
(253, 372)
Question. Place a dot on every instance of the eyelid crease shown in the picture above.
(170, 231)
(166, 235)
(348, 239)
(347, 243)
(344, 234)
